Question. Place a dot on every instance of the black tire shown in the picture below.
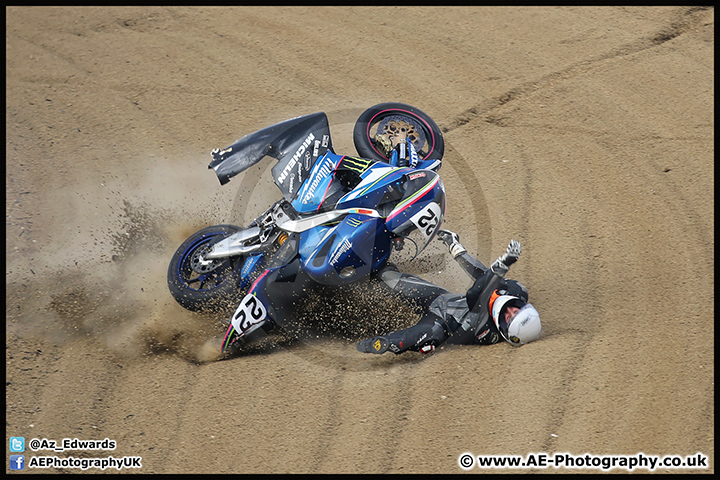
(429, 142)
(213, 287)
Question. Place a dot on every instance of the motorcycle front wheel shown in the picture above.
(377, 125)
(205, 285)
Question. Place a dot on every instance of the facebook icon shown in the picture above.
(17, 462)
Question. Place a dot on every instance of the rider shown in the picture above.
(462, 319)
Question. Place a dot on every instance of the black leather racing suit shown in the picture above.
(448, 317)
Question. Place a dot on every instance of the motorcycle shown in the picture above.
(339, 218)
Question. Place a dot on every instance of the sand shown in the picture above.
(586, 133)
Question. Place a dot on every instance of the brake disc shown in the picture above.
(398, 127)
(198, 262)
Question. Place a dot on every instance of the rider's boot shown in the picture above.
(396, 342)
(427, 333)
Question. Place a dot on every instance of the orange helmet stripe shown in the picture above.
(493, 297)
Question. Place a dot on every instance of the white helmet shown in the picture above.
(524, 326)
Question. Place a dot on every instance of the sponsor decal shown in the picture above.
(357, 164)
(298, 154)
(482, 335)
(417, 175)
(316, 152)
(326, 169)
(344, 247)
(413, 156)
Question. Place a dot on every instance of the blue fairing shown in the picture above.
(355, 247)
(250, 267)
(310, 239)
(377, 181)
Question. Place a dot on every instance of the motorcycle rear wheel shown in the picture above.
(199, 286)
(390, 119)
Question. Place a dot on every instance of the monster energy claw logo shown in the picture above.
(357, 164)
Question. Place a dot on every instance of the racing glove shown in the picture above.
(503, 262)
(452, 240)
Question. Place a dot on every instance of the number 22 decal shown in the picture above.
(427, 219)
(428, 222)
(250, 312)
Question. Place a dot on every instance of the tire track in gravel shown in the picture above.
(688, 18)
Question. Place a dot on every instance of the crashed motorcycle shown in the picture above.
(337, 223)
